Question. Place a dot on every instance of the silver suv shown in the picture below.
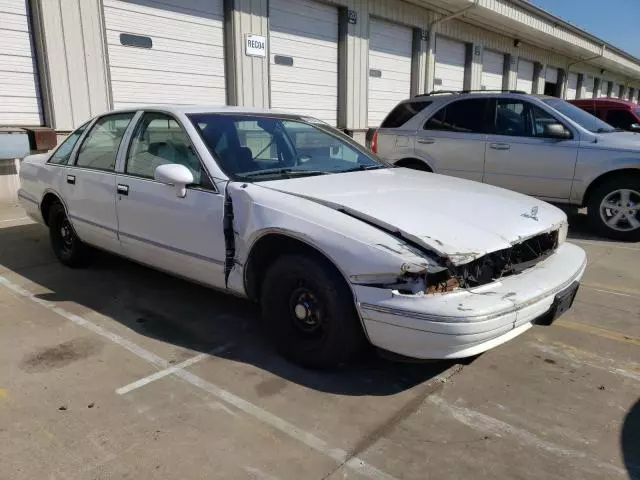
(537, 145)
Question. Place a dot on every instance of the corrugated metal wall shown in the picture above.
(75, 60)
(77, 74)
(251, 76)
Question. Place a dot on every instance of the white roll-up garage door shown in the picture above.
(168, 51)
(304, 58)
(450, 62)
(492, 70)
(572, 85)
(551, 75)
(19, 89)
(389, 68)
(524, 81)
(587, 85)
(615, 90)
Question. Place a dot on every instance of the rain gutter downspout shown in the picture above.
(431, 29)
(576, 62)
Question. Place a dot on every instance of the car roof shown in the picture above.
(434, 96)
(188, 109)
(604, 102)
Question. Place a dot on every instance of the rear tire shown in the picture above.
(309, 312)
(614, 208)
(65, 243)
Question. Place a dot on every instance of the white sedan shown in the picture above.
(338, 247)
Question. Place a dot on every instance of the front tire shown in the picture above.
(65, 243)
(614, 208)
(309, 312)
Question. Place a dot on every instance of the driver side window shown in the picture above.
(513, 118)
(540, 120)
(521, 119)
(158, 140)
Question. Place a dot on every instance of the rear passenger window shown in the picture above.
(403, 113)
(63, 152)
(465, 116)
(100, 147)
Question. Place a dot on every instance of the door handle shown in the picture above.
(500, 146)
(426, 140)
(71, 179)
(123, 189)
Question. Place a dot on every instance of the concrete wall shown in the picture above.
(9, 183)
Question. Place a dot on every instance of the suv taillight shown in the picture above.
(374, 142)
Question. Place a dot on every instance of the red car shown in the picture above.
(618, 113)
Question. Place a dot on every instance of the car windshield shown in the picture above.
(258, 148)
(582, 118)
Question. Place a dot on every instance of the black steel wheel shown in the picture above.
(309, 312)
(66, 245)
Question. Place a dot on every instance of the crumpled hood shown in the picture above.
(456, 218)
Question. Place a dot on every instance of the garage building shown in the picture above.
(20, 102)
(346, 63)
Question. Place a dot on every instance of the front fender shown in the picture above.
(593, 164)
(357, 249)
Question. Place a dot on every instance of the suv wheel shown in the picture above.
(614, 209)
(309, 312)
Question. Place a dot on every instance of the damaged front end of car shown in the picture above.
(443, 275)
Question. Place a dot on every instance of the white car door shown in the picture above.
(183, 236)
(89, 183)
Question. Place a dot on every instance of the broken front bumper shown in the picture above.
(467, 322)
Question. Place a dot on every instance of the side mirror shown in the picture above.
(557, 131)
(175, 175)
(635, 127)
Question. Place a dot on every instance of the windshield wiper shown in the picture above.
(604, 130)
(287, 172)
(361, 167)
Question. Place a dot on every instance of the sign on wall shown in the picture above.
(256, 46)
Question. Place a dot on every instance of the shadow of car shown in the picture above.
(189, 316)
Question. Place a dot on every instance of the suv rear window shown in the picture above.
(403, 113)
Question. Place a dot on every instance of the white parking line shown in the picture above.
(341, 457)
(167, 371)
(14, 219)
(487, 424)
